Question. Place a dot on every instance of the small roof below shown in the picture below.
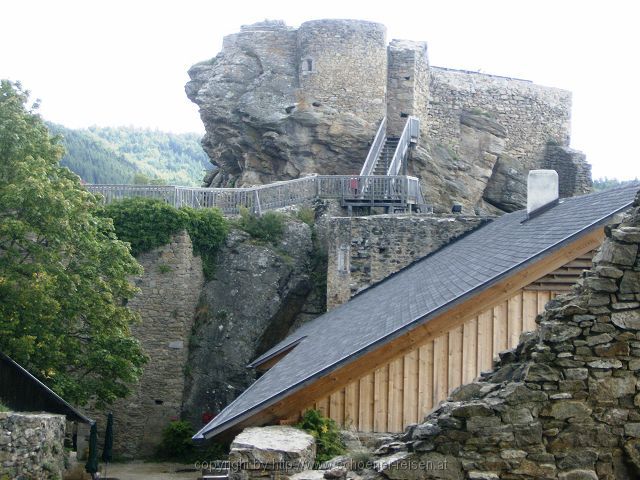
(417, 293)
(23, 392)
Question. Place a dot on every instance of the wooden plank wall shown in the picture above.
(404, 390)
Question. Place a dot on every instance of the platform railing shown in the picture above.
(367, 189)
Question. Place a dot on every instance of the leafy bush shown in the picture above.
(149, 223)
(268, 227)
(177, 445)
(176, 441)
(4, 408)
(208, 229)
(306, 215)
(145, 223)
(326, 433)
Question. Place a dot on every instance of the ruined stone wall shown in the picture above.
(169, 292)
(574, 173)
(532, 115)
(348, 60)
(365, 250)
(407, 84)
(564, 404)
(31, 445)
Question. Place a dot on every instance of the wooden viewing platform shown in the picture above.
(389, 191)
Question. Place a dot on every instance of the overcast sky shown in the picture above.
(125, 62)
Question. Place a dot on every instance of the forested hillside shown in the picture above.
(132, 155)
(605, 183)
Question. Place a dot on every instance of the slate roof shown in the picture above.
(419, 292)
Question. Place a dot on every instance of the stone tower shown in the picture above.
(343, 63)
(407, 84)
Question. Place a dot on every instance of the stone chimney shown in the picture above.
(542, 190)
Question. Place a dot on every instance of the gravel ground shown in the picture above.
(149, 471)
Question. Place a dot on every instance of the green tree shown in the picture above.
(63, 273)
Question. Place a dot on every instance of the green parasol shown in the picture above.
(107, 452)
(92, 462)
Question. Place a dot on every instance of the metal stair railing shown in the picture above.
(409, 136)
(376, 148)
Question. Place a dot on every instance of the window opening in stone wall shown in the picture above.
(342, 258)
(308, 65)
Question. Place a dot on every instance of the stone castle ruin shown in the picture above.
(280, 103)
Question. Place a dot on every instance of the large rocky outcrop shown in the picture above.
(465, 177)
(255, 297)
(565, 404)
(260, 126)
(278, 103)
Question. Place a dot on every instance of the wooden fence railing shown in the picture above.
(370, 190)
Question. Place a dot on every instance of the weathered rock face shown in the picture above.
(564, 404)
(274, 452)
(249, 305)
(467, 176)
(279, 103)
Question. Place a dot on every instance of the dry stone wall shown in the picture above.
(169, 292)
(31, 446)
(365, 250)
(565, 404)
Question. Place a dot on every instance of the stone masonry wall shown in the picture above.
(564, 404)
(407, 84)
(169, 292)
(349, 66)
(365, 250)
(31, 446)
(532, 115)
(574, 173)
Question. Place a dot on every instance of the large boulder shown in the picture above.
(274, 451)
